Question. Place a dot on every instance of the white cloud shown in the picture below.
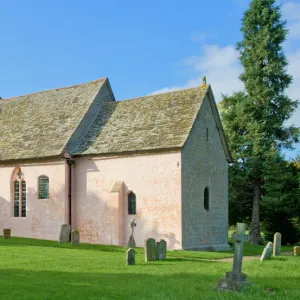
(291, 12)
(294, 89)
(220, 66)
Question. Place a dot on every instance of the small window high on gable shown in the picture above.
(43, 183)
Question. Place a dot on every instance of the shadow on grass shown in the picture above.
(46, 284)
(33, 285)
(15, 241)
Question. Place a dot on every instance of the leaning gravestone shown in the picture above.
(150, 250)
(75, 237)
(277, 244)
(161, 250)
(6, 233)
(236, 279)
(130, 256)
(297, 251)
(267, 253)
(64, 235)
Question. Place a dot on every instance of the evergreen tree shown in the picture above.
(254, 121)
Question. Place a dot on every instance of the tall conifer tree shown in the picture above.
(254, 120)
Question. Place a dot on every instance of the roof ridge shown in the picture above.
(62, 88)
(163, 93)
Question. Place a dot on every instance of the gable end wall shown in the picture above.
(204, 165)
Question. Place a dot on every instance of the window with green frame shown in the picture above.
(43, 183)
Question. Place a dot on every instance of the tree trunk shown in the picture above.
(254, 234)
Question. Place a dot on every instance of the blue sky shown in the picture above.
(142, 47)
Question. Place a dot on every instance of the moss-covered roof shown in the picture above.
(153, 122)
(41, 124)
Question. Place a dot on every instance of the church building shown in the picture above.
(77, 156)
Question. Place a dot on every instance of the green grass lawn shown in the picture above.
(35, 269)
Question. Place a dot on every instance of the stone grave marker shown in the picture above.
(150, 250)
(236, 279)
(64, 235)
(130, 256)
(161, 250)
(75, 237)
(267, 253)
(297, 251)
(277, 244)
(131, 241)
(6, 233)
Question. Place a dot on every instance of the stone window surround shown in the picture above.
(14, 178)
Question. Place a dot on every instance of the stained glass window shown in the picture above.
(19, 195)
(16, 198)
(131, 204)
(43, 187)
(23, 198)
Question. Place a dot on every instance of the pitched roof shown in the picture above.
(153, 122)
(41, 124)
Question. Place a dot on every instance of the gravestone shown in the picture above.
(131, 241)
(6, 233)
(267, 253)
(64, 235)
(150, 250)
(161, 250)
(75, 237)
(297, 251)
(277, 244)
(236, 279)
(130, 256)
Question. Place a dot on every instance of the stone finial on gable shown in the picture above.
(204, 80)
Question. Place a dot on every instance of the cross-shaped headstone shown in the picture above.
(132, 225)
(236, 279)
(239, 237)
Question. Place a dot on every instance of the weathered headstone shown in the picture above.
(75, 237)
(297, 251)
(131, 241)
(150, 250)
(6, 233)
(277, 244)
(236, 279)
(267, 253)
(64, 235)
(161, 250)
(130, 256)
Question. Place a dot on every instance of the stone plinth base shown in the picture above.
(131, 242)
(233, 281)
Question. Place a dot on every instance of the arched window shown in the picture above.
(131, 204)
(206, 198)
(19, 193)
(43, 182)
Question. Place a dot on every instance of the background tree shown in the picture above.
(254, 120)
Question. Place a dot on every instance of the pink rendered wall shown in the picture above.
(43, 217)
(102, 216)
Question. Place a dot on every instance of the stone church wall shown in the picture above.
(102, 215)
(43, 217)
(204, 165)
